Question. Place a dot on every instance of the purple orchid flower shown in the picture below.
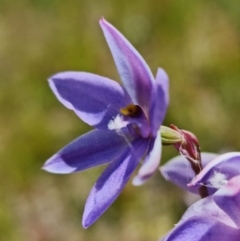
(214, 218)
(217, 172)
(217, 169)
(179, 171)
(127, 122)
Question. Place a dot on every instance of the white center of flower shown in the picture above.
(218, 179)
(117, 123)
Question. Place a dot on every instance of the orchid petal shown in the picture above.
(201, 228)
(163, 80)
(112, 181)
(179, 171)
(133, 70)
(228, 199)
(202, 221)
(92, 149)
(159, 101)
(95, 99)
(151, 162)
(207, 207)
(224, 166)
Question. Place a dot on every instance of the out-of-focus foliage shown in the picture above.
(197, 42)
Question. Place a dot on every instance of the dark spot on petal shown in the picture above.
(131, 111)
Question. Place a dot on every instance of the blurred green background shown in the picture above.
(196, 42)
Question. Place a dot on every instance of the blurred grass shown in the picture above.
(197, 42)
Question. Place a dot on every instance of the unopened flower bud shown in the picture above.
(189, 148)
(170, 136)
